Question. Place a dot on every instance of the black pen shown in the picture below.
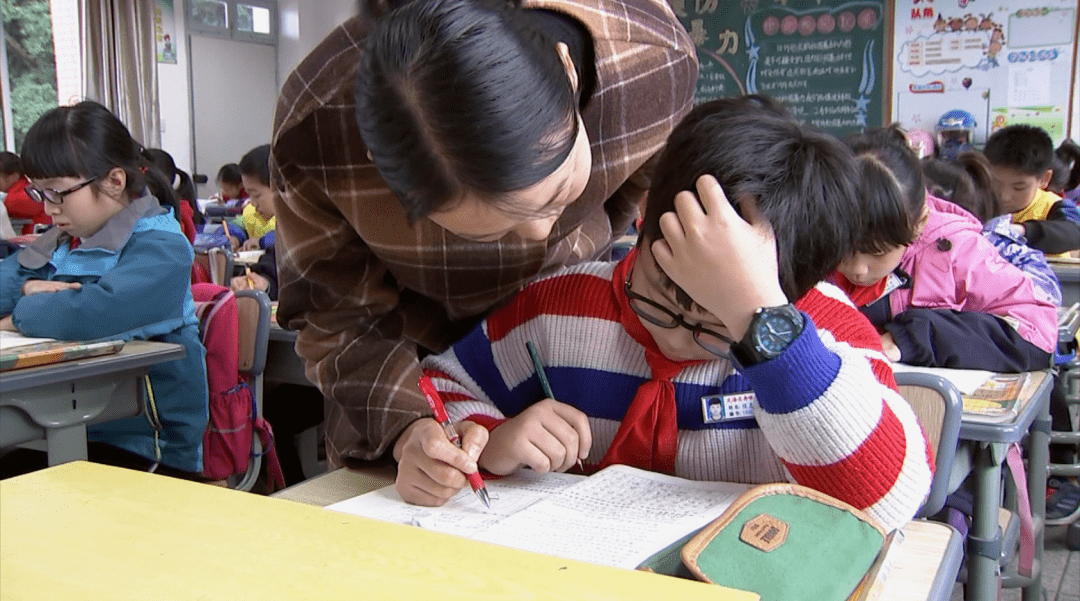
(539, 365)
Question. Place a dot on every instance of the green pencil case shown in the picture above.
(787, 542)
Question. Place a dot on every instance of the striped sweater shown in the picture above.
(827, 413)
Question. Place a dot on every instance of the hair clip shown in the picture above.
(142, 168)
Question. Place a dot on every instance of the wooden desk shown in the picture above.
(57, 402)
(926, 569)
(88, 531)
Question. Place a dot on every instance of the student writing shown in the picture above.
(927, 278)
(1021, 161)
(115, 266)
(640, 352)
(257, 223)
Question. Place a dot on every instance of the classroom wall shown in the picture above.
(302, 25)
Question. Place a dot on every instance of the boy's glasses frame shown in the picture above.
(56, 197)
(674, 320)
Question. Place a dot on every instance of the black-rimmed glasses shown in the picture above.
(659, 315)
(56, 197)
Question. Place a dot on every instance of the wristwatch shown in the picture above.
(771, 331)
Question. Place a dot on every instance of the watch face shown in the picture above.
(775, 330)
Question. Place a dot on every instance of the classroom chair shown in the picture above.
(938, 405)
(253, 313)
(218, 262)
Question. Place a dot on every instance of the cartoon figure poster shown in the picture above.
(1002, 61)
(165, 31)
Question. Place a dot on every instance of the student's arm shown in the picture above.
(830, 410)
(144, 289)
(267, 240)
(12, 276)
(1056, 234)
(267, 267)
(963, 340)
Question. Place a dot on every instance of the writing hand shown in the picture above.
(234, 243)
(250, 244)
(431, 469)
(727, 265)
(257, 282)
(548, 436)
(40, 286)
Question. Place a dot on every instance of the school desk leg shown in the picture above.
(66, 444)
(984, 537)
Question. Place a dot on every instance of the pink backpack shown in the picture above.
(234, 415)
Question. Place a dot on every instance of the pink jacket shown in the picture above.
(954, 267)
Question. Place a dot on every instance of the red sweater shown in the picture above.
(21, 206)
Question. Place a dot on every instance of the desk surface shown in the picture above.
(87, 531)
(136, 354)
(1036, 393)
(926, 543)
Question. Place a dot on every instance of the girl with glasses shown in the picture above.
(117, 266)
(712, 351)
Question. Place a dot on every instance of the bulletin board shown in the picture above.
(1004, 61)
(824, 59)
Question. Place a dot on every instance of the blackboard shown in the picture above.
(821, 58)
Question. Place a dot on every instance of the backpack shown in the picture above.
(234, 416)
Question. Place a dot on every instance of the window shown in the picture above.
(247, 20)
(39, 63)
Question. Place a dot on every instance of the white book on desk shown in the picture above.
(620, 516)
(10, 340)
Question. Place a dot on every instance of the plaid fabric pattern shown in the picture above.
(365, 288)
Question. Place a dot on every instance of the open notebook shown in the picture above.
(621, 516)
(18, 351)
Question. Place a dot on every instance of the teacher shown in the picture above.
(428, 163)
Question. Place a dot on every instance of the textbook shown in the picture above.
(18, 352)
(621, 516)
(998, 398)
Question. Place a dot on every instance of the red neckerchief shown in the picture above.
(648, 436)
(861, 295)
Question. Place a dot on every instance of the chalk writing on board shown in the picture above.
(822, 58)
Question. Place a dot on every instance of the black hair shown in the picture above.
(185, 188)
(10, 163)
(462, 96)
(256, 163)
(892, 192)
(86, 140)
(1025, 148)
(230, 174)
(1069, 153)
(801, 178)
(965, 182)
(1059, 175)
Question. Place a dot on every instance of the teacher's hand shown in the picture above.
(431, 469)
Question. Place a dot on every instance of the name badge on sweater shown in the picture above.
(717, 408)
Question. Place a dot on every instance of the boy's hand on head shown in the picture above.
(727, 265)
(888, 346)
(548, 436)
(39, 286)
(431, 469)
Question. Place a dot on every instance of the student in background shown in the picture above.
(717, 260)
(927, 278)
(18, 204)
(1069, 155)
(257, 223)
(966, 183)
(1021, 160)
(230, 185)
(184, 192)
(115, 266)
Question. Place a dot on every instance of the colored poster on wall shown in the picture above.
(1003, 61)
(165, 31)
(822, 58)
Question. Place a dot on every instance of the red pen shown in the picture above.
(435, 402)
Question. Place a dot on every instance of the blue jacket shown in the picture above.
(135, 275)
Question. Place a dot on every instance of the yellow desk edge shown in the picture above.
(88, 531)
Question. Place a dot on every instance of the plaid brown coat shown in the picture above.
(365, 288)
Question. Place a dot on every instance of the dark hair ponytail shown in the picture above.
(185, 189)
(1069, 153)
(86, 140)
(462, 96)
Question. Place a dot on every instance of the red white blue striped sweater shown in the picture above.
(827, 413)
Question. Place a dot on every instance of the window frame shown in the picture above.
(230, 32)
